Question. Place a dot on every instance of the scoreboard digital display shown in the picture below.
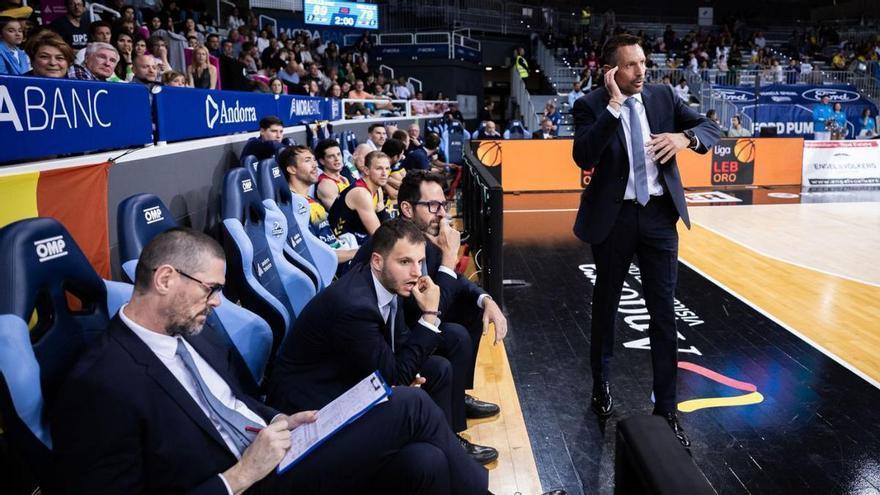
(341, 14)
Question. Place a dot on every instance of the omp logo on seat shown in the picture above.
(50, 248)
(212, 111)
(153, 214)
(247, 185)
(276, 172)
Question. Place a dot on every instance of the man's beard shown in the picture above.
(186, 327)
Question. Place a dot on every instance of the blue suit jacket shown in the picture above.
(600, 145)
(338, 339)
(124, 424)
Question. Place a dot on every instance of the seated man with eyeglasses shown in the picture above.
(468, 310)
(153, 406)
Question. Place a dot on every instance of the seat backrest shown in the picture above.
(248, 161)
(275, 191)
(261, 269)
(516, 130)
(456, 135)
(144, 216)
(52, 303)
(283, 235)
(349, 141)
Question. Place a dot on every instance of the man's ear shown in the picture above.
(376, 261)
(406, 209)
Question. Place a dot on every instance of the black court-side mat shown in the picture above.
(768, 413)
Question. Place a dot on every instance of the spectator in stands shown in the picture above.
(682, 90)
(276, 86)
(124, 47)
(159, 49)
(574, 94)
(358, 155)
(13, 60)
(453, 113)
(867, 125)
(838, 117)
(146, 71)
(139, 47)
(822, 117)
(401, 90)
(73, 26)
(101, 60)
(360, 209)
(268, 143)
(300, 170)
(338, 337)
(421, 158)
(201, 73)
(737, 129)
(552, 114)
(312, 88)
(335, 91)
(98, 31)
(712, 115)
(489, 131)
(174, 78)
(50, 55)
(376, 136)
(212, 42)
(546, 130)
(414, 131)
(190, 29)
(234, 21)
(160, 388)
(331, 182)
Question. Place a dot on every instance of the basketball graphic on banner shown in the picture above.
(744, 150)
(489, 153)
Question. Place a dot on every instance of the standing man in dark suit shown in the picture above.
(357, 326)
(153, 407)
(628, 133)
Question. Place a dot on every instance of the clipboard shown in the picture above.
(339, 413)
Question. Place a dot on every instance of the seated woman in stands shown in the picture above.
(50, 55)
(201, 73)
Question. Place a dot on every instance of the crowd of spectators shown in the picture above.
(189, 49)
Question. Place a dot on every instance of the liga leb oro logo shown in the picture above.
(733, 162)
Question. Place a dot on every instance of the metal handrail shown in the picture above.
(390, 70)
(522, 96)
(274, 23)
(415, 81)
(93, 7)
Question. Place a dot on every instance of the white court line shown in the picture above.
(778, 258)
(782, 324)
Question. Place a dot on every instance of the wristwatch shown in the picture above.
(692, 138)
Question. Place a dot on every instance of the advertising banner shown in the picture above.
(744, 161)
(44, 116)
(789, 108)
(841, 163)
(187, 113)
(296, 110)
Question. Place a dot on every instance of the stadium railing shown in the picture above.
(483, 216)
(523, 98)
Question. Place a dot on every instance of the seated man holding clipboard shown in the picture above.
(153, 407)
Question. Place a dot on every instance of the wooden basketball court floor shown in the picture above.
(779, 319)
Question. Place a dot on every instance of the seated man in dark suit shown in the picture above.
(468, 310)
(267, 144)
(153, 407)
(546, 130)
(354, 327)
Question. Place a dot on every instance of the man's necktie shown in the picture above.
(392, 315)
(640, 174)
(232, 421)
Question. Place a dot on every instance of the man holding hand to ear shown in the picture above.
(628, 133)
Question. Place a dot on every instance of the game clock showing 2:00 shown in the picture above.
(341, 14)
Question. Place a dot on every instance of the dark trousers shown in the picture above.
(467, 315)
(402, 446)
(456, 349)
(649, 233)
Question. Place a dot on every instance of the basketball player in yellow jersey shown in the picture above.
(331, 182)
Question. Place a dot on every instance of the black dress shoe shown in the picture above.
(672, 419)
(602, 403)
(477, 409)
(480, 453)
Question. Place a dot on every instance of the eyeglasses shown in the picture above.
(434, 206)
(212, 289)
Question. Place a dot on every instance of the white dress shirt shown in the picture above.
(451, 273)
(653, 173)
(165, 348)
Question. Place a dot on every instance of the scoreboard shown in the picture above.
(341, 14)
